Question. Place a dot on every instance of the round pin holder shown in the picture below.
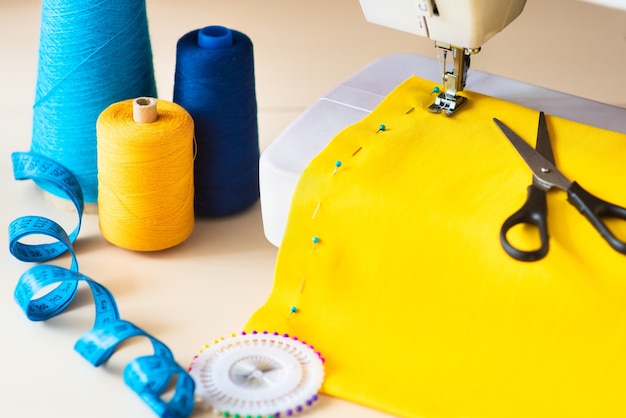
(257, 375)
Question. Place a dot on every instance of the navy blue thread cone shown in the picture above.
(214, 82)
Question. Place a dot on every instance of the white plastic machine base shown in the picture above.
(284, 160)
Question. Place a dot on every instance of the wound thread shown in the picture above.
(145, 197)
(214, 82)
(89, 57)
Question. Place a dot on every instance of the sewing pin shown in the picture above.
(315, 211)
(302, 286)
(292, 311)
(315, 240)
(410, 110)
(337, 165)
(355, 152)
(381, 128)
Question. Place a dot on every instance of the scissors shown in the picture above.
(545, 177)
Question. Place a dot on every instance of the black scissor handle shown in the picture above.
(533, 212)
(596, 210)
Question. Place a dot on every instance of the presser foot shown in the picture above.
(447, 103)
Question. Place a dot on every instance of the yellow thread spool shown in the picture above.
(145, 174)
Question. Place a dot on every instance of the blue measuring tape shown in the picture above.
(148, 376)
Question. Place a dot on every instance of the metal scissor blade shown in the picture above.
(544, 146)
(545, 172)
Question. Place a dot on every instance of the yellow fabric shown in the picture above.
(409, 295)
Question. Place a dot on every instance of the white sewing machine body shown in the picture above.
(464, 25)
(460, 23)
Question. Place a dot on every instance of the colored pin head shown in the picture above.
(337, 165)
(381, 128)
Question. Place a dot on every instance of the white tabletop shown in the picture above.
(210, 285)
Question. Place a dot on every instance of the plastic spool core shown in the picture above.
(215, 37)
(145, 110)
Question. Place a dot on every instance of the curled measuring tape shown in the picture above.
(257, 375)
(148, 376)
(41, 169)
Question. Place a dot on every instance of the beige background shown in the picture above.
(211, 284)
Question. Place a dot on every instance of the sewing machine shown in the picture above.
(459, 29)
